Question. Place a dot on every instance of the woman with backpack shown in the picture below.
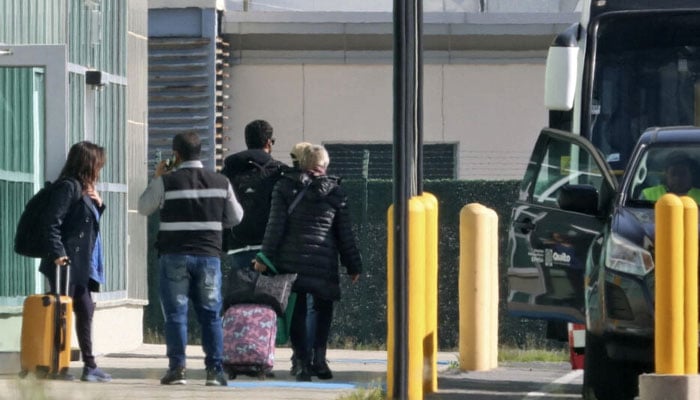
(71, 230)
(308, 229)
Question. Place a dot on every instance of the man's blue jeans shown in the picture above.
(196, 278)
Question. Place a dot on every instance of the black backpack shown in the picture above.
(28, 240)
(253, 188)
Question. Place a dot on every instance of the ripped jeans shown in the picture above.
(196, 278)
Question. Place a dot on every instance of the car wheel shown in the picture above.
(606, 379)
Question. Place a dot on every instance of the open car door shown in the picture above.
(562, 206)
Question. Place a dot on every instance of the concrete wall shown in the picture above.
(328, 76)
(129, 315)
(493, 110)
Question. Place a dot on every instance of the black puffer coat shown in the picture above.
(309, 240)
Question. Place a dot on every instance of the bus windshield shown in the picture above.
(645, 73)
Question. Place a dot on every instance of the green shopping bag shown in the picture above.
(284, 323)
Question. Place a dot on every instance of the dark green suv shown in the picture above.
(581, 246)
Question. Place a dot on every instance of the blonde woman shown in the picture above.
(309, 230)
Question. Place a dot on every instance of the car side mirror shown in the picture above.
(578, 198)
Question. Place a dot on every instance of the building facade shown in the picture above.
(322, 71)
(129, 74)
(69, 71)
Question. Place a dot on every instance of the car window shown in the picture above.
(564, 163)
(666, 169)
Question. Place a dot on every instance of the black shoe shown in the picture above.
(304, 374)
(216, 378)
(296, 367)
(322, 371)
(174, 377)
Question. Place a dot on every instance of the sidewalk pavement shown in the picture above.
(136, 375)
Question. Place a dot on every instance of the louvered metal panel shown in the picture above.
(179, 93)
(222, 54)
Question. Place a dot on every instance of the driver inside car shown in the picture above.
(678, 178)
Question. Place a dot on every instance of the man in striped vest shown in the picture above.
(195, 206)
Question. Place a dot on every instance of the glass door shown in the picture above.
(32, 149)
(22, 99)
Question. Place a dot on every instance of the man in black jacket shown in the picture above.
(252, 173)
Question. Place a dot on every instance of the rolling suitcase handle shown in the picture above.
(60, 331)
(58, 278)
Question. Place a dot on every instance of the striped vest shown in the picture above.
(192, 213)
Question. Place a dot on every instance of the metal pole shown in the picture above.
(406, 122)
(418, 18)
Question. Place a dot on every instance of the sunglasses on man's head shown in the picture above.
(272, 140)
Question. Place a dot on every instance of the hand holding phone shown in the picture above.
(164, 167)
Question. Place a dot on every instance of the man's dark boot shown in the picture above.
(319, 367)
(305, 372)
(296, 366)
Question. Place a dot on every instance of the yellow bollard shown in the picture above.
(690, 281)
(494, 298)
(478, 288)
(430, 343)
(668, 325)
(416, 296)
(416, 299)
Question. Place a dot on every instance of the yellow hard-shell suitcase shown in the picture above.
(47, 321)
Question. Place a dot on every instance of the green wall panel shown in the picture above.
(110, 130)
(98, 35)
(18, 108)
(76, 107)
(33, 21)
(16, 120)
(113, 230)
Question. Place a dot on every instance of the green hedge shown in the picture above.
(360, 317)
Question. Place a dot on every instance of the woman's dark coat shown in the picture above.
(70, 229)
(310, 240)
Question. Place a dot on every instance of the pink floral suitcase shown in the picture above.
(249, 340)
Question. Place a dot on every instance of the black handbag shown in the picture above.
(250, 286)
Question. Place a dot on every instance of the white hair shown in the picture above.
(315, 156)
